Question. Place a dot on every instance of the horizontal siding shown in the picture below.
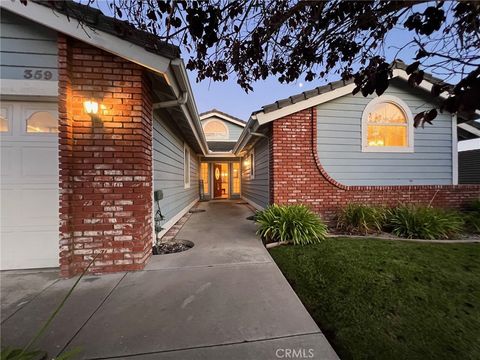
(25, 45)
(339, 143)
(257, 189)
(469, 167)
(168, 170)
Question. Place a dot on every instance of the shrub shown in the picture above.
(290, 223)
(424, 222)
(361, 219)
(472, 217)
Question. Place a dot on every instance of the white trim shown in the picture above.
(454, 150)
(167, 226)
(213, 154)
(410, 132)
(223, 117)
(187, 167)
(264, 118)
(59, 22)
(29, 87)
(254, 204)
(227, 131)
(470, 129)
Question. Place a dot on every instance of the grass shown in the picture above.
(378, 299)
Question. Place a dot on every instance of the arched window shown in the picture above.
(215, 130)
(42, 122)
(387, 126)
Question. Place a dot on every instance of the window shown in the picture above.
(215, 130)
(204, 175)
(252, 165)
(186, 166)
(387, 126)
(236, 177)
(4, 123)
(42, 122)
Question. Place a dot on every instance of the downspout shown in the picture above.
(170, 103)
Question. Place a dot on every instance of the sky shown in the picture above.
(230, 98)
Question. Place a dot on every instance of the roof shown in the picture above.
(94, 18)
(279, 104)
(227, 117)
(221, 146)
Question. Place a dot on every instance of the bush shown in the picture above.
(472, 217)
(361, 219)
(424, 222)
(290, 223)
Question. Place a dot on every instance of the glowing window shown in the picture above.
(215, 130)
(42, 122)
(4, 124)
(387, 126)
(204, 175)
(236, 177)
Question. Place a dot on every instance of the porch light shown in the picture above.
(90, 107)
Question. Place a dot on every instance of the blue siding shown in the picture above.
(234, 130)
(25, 45)
(258, 188)
(340, 144)
(168, 170)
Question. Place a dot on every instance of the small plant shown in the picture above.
(361, 219)
(424, 222)
(290, 223)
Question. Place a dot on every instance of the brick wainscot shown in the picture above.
(105, 162)
(297, 175)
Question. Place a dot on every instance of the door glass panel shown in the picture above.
(236, 178)
(42, 122)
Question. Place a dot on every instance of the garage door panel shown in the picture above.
(30, 208)
(9, 158)
(39, 161)
(29, 188)
(35, 250)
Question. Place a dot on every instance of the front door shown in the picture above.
(217, 180)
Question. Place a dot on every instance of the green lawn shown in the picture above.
(377, 299)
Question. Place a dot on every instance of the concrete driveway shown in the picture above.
(223, 299)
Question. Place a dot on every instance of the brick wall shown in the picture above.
(106, 164)
(298, 177)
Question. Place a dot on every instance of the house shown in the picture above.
(220, 169)
(97, 117)
(327, 148)
(93, 120)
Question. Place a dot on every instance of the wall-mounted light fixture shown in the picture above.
(91, 107)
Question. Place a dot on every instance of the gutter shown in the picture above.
(185, 100)
(171, 103)
(245, 136)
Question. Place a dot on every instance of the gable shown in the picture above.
(231, 130)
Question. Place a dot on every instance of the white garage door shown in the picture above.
(29, 185)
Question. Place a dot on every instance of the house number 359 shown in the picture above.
(37, 74)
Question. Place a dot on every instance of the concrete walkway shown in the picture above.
(222, 299)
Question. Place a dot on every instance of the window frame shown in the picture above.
(251, 158)
(227, 131)
(8, 117)
(187, 158)
(410, 130)
(30, 109)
